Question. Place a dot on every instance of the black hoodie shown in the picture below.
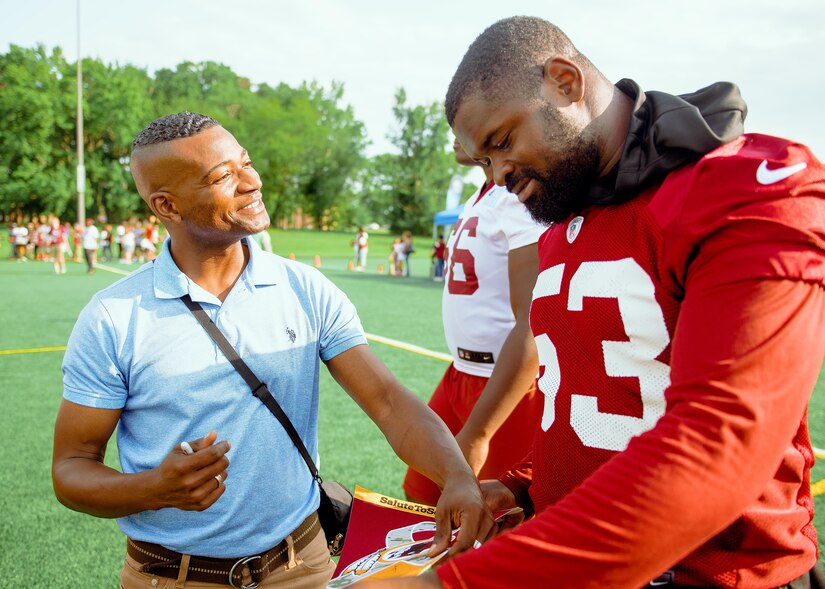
(666, 132)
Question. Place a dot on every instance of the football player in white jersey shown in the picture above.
(487, 396)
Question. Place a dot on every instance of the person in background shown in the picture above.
(19, 237)
(263, 239)
(58, 240)
(118, 239)
(128, 242)
(361, 245)
(77, 241)
(397, 257)
(106, 243)
(439, 257)
(409, 248)
(90, 239)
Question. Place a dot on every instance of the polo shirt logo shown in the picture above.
(291, 334)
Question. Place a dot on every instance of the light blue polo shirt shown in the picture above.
(136, 347)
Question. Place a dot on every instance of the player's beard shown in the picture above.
(565, 180)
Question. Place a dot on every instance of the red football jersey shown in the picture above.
(680, 337)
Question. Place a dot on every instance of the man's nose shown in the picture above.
(250, 180)
(500, 172)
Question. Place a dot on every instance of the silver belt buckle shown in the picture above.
(242, 562)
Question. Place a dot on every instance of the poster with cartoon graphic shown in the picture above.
(387, 537)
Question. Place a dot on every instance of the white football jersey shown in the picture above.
(475, 306)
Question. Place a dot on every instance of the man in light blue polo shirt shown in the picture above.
(137, 360)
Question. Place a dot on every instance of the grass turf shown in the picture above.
(46, 545)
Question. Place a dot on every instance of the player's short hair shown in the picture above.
(501, 61)
(175, 126)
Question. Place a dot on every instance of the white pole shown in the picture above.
(81, 169)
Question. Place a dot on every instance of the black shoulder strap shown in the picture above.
(259, 389)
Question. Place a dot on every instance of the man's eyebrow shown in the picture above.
(489, 139)
(244, 154)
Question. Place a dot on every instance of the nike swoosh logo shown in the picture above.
(765, 176)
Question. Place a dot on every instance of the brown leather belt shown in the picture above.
(244, 572)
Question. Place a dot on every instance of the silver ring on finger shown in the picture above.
(219, 478)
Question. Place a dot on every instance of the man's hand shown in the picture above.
(190, 482)
(428, 580)
(474, 448)
(461, 504)
(499, 497)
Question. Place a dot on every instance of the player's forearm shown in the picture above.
(91, 487)
(515, 371)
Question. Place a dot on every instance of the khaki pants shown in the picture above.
(310, 568)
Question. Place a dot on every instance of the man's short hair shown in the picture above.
(176, 126)
(500, 60)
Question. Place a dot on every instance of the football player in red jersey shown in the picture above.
(678, 315)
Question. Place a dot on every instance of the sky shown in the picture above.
(774, 50)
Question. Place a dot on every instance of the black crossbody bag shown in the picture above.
(336, 500)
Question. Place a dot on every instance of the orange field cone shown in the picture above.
(291, 255)
(350, 266)
(317, 261)
(380, 268)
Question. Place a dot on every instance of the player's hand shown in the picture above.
(499, 497)
(461, 504)
(189, 481)
(475, 450)
(428, 580)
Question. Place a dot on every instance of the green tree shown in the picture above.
(411, 185)
(116, 106)
(334, 153)
(36, 168)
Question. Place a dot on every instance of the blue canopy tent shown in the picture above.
(446, 219)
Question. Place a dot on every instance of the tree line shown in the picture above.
(306, 143)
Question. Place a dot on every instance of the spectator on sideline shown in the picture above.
(360, 246)
(678, 315)
(397, 257)
(58, 241)
(439, 257)
(263, 239)
(139, 361)
(91, 236)
(409, 248)
(77, 241)
(19, 237)
(118, 237)
(128, 242)
(488, 396)
(106, 243)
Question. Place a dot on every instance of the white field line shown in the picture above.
(409, 347)
(819, 453)
(113, 270)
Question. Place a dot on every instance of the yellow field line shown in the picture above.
(32, 350)
(376, 338)
(409, 347)
(819, 453)
(818, 488)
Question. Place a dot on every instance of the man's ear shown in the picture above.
(163, 205)
(563, 81)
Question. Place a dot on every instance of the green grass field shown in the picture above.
(46, 545)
